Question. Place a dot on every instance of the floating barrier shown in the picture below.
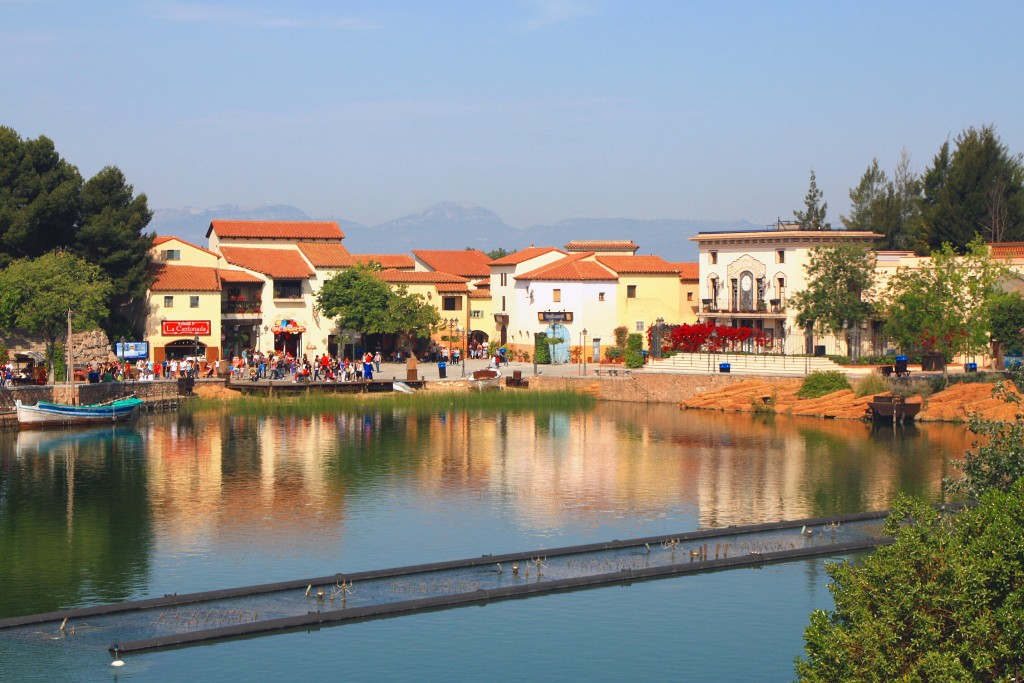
(301, 604)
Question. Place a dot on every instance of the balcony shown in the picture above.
(241, 309)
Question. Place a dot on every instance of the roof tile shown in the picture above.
(571, 268)
(524, 255)
(276, 263)
(399, 261)
(469, 263)
(170, 278)
(326, 255)
(289, 230)
(602, 245)
(429, 277)
(653, 265)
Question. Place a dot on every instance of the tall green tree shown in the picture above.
(890, 207)
(111, 235)
(838, 278)
(943, 305)
(39, 197)
(815, 209)
(357, 298)
(975, 189)
(38, 293)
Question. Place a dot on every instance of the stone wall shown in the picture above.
(87, 345)
(647, 388)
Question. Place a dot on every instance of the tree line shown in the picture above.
(59, 230)
(973, 187)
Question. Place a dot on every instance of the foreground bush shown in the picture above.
(820, 383)
(945, 602)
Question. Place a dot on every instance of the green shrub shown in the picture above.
(541, 350)
(4, 355)
(840, 360)
(613, 353)
(634, 359)
(871, 384)
(635, 342)
(820, 383)
(942, 603)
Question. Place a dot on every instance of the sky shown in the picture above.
(539, 110)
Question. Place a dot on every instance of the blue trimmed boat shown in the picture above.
(44, 414)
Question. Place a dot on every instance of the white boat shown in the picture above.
(45, 414)
(403, 388)
(486, 379)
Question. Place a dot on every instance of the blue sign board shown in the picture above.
(132, 350)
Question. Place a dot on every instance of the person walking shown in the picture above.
(376, 361)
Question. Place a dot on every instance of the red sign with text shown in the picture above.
(178, 328)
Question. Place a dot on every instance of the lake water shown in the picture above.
(178, 503)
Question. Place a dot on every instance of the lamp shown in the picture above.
(583, 350)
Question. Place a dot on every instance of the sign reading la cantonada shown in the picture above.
(178, 328)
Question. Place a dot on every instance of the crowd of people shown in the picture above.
(256, 365)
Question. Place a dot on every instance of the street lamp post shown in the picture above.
(583, 351)
(462, 358)
(124, 362)
(195, 360)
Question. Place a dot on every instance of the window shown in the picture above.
(689, 296)
(449, 303)
(713, 257)
(171, 254)
(503, 304)
(780, 255)
(600, 296)
(193, 302)
(640, 326)
(287, 289)
(504, 279)
(476, 314)
(168, 302)
(630, 291)
(556, 295)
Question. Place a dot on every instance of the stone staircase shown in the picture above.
(743, 364)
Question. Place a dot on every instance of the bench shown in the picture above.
(611, 372)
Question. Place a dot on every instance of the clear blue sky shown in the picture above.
(538, 110)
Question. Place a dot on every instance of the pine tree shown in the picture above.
(813, 215)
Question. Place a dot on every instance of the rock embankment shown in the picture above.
(950, 405)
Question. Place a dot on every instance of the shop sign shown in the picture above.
(555, 316)
(286, 326)
(180, 328)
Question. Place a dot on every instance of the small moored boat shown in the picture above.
(45, 414)
(486, 379)
(892, 409)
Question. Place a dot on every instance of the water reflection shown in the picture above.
(191, 502)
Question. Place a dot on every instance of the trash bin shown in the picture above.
(724, 367)
(970, 367)
(442, 370)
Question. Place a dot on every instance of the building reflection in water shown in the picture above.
(273, 491)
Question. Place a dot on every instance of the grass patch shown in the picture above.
(821, 383)
(314, 404)
(869, 385)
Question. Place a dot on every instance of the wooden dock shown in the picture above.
(272, 387)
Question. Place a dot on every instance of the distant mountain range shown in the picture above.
(450, 225)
